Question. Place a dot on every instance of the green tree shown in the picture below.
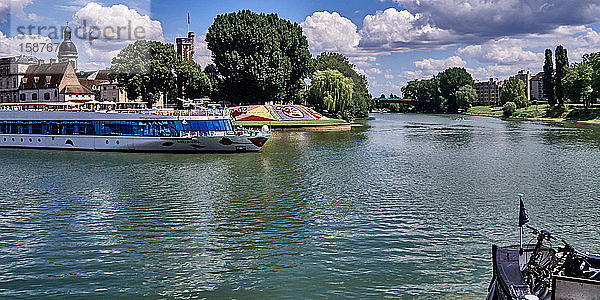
(260, 57)
(450, 81)
(562, 63)
(362, 101)
(509, 109)
(514, 91)
(215, 82)
(145, 69)
(578, 83)
(191, 81)
(426, 90)
(548, 78)
(330, 90)
(382, 96)
(593, 60)
(413, 89)
(466, 96)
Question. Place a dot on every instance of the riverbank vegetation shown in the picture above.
(572, 91)
(257, 59)
(571, 112)
(440, 94)
(359, 102)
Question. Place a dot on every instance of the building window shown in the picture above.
(22, 96)
(55, 93)
(33, 96)
(46, 96)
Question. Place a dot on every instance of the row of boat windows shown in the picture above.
(206, 125)
(113, 128)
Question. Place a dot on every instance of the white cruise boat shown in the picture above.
(126, 131)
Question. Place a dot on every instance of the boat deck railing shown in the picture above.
(178, 113)
(204, 112)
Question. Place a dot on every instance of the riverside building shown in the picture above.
(52, 82)
(537, 86)
(488, 92)
(12, 71)
(525, 76)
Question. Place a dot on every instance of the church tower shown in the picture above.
(67, 52)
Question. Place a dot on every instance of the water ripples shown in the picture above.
(406, 207)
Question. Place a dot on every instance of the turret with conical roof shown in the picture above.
(67, 50)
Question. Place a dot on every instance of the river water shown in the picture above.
(407, 206)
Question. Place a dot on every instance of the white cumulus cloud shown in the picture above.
(399, 30)
(105, 30)
(327, 31)
(202, 55)
(429, 67)
(481, 20)
(495, 71)
(20, 44)
(504, 51)
(16, 8)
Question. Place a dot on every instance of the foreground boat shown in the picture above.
(118, 131)
(542, 272)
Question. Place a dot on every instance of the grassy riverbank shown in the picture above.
(572, 113)
(533, 111)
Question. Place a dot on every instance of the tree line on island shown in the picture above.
(447, 92)
(258, 58)
(451, 90)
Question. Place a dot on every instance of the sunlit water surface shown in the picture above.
(407, 206)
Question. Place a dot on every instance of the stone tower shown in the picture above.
(67, 52)
(185, 47)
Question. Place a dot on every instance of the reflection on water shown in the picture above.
(406, 206)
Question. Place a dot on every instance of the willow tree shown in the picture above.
(330, 90)
(362, 101)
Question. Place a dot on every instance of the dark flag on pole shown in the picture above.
(523, 217)
(188, 18)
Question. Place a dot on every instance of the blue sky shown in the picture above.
(390, 41)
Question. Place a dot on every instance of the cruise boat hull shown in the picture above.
(136, 144)
(103, 131)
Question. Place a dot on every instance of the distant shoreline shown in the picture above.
(550, 120)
